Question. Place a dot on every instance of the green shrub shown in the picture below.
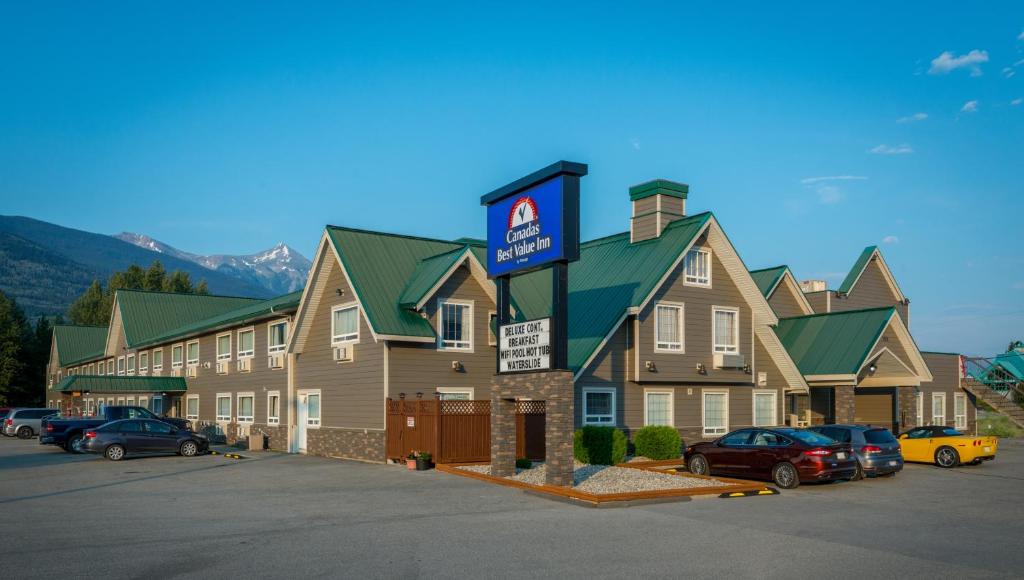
(599, 445)
(523, 463)
(658, 442)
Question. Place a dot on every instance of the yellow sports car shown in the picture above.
(946, 447)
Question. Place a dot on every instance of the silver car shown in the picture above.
(25, 423)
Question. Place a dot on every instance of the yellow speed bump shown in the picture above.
(765, 491)
(234, 456)
(212, 452)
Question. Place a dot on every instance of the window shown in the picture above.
(110, 367)
(246, 343)
(157, 405)
(245, 410)
(697, 267)
(120, 366)
(192, 407)
(313, 409)
(144, 402)
(345, 324)
(158, 359)
(90, 406)
(192, 353)
(658, 407)
(176, 356)
(668, 328)
(492, 328)
(157, 427)
(764, 408)
(450, 394)
(223, 407)
(960, 410)
(920, 408)
(223, 348)
(277, 337)
(131, 364)
(456, 325)
(725, 329)
(738, 438)
(273, 408)
(716, 413)
(120, 400)
(143, 363)
(769, 439)
(938, 408)
(598, 406)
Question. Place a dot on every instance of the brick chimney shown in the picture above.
(656, 204)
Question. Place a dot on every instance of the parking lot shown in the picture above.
(276, 515)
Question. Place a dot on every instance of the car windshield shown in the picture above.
(811, 438)
(951, 432)
(879, 436)
(838, 433)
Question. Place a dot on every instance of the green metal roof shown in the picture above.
(834, 343)
(148, 315)
(858, 267)
(1011, 362)
(260, 309)
(767, 278)
(113, 384)
(77, 344)
(658, 186)
(427, 274)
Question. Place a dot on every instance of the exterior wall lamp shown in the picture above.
(701, 369)
(650, 366)
(339, 291)
(401, 396)
(457, 366)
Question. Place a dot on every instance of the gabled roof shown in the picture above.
(432, 272)
(836, 343)
(768, 278)
(77, 344)
(149, 315)
(114, 384)
(1012, 363)
(859, 266)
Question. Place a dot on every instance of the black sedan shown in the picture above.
(117, 439)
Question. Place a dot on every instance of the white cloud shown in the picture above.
(890, 240)
(946, 62)
(1016, 102)
(884, 149)
(1008, 72)
(829, 194)
(913, 118)
(1020, 36)
(809, 180)
(635, 143)
(969, 107)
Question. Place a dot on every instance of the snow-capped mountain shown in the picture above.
(280, 269)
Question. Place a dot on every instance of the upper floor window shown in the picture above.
(223, 347)
(110, 367)
(697, 267)
(192, 353)
(246, 343)
(131, 364)
(668, 327)
(725, 329)
(277, 337)
(120, 366)
(345, 324)
(143, 362)
(492, 328)
(456, 325)
(158, 359)
(176, 356)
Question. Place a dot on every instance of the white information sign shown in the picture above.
(525, 346)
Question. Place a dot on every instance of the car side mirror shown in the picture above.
(903, 436)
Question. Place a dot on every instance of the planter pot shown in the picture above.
(410, 464)
(422, 464)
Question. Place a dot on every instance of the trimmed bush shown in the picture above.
(658, 442)
(523, 464)
(599, 445)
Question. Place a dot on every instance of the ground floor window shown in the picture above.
(658, 407)
(313, 409)
(764, 408)
(960, 410)
(223, 407)
(245, 407)
(273, 408)
(192, 407)
(450, 394)
(120, 400)
(938, 408)
(715, 413)
(920, 408)
(144, 402)
(598, 406)
(157, 405)
(130, 401)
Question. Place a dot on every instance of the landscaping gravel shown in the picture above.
(600, 479)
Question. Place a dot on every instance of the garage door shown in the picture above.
(873, 407)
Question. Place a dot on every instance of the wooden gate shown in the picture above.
(457, 431)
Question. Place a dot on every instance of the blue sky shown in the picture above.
(810, 131)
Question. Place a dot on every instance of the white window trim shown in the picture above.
(671, 404)
(492, 337)
(466, 326)
(130, 365)
(456, 390)
(216, 409)
(775, 406)
(274, 419)
(937, 397)
(216, 347)
(283, 347)
(959, 421)
(121, 366)
(345, 338)
(245, 354)
(158, 367)
(238, 408)
(681, 307)
(154, 399)
(705, 250)
(188, 361)
(143, 369)
(703, 413)
(319, 420)
(614, 414)
(736, 330)
(180, 363)
(110, 367)
(143, 402)
(920, 409)
(130, 401)
(120, 401)
(193, 417)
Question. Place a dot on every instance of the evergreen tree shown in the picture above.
(12, 337)
(202, 289)
(155, 277)
(179, 283)
(91, 308)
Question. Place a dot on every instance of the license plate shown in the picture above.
(893, 463)
(841, 455)
(988, 450)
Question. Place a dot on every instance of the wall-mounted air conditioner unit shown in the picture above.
(244, 365)
(729, 361)
(275, 361)
(343, 353)
(175, 372)
(192, 372)
(222, 368)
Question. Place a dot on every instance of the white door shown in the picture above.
(301, 414)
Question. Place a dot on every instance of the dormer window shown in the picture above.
(697, 267)
(455, 325)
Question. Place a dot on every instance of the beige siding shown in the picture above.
(871, 291)
(945, 370)
(784, 303)
(819, 301)
(645, 205)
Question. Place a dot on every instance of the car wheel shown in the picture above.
(859, 474)
(785, 476)
(114, 453)
(947, 457)
(189, 449)
(74, 444)
(24, 432)
(698, 465)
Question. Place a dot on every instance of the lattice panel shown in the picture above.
(456, 407)
(530, 407)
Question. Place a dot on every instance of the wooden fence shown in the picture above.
(457, 431)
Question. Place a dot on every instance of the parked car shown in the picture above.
(946, 447)
(784, 455)
(25, 423)
(118, 439)
(69, 431)
(876, 450)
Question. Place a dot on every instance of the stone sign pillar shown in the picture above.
(555, 388)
